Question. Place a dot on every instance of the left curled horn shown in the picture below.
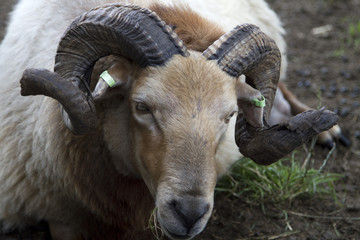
(118, 29)
(247, 50)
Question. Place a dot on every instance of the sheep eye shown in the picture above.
(227, 120)
(142, 108)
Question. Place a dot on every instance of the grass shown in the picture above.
(351, 37)
(154, 227)
(282, 181)
(353, 34)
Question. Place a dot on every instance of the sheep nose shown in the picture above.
(190, 210)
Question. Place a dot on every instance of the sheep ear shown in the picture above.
(252, 103)
(113, 78)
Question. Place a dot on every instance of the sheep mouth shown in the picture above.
(176, 228)
(174, 236)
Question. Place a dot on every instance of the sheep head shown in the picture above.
(179, 104)
(176, 140)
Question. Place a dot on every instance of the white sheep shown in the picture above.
(96, 169)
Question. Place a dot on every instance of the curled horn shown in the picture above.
(117, 29)
(246, 50)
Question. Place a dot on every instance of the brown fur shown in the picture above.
(183, 108)
(107, 209)
(296, 106)
(196, 32)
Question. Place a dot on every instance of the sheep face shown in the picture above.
(179, 114)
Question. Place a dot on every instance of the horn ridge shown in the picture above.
(235, 52)
(87, 39)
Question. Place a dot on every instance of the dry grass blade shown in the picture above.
(272, 237)
(324, 217)
(154, 227)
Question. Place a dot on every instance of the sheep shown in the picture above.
(94, 160)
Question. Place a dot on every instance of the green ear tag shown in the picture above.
(107, 78)
(259, 103)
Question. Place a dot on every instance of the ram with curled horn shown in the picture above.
(142, 108)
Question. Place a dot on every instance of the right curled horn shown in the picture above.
(117, 29)
(247, 50)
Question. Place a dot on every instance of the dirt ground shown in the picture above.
(328, 61)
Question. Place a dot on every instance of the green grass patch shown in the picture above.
(281, 181)
(350, 40)
(353, 35)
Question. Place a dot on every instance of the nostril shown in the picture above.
(190, 212)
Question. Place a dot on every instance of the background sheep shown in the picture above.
(28, 149)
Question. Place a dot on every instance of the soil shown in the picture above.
(327, 62)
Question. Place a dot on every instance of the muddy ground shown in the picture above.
(328, 61)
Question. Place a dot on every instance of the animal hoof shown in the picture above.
(344, 140)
